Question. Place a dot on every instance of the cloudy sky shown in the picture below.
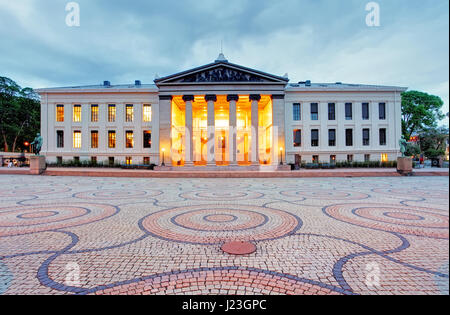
(319, 40)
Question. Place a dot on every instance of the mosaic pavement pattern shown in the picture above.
(70, 235)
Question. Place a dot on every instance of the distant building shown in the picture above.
(221, 114)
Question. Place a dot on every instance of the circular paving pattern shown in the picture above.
(109, 194)
(38, 218)
(213, 224)
(218, 186)
(221, 195)
(324, 194)
(391, 218)
(414, 193)
(32, 191)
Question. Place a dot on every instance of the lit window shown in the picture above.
(147, 111)
(332, 159)
(129, 140)
(147, 139)
(111, 139)
(129, 160)
(129, 113)
(146, 160)
(94, 139)
(77, 139)
(111, 113)
(76, 113)
(384, 158)
(297, 138)
(94, 113)
(60, 113)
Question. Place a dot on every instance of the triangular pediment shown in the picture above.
(221, 73)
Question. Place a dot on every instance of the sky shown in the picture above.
(318, 40)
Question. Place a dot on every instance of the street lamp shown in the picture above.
(26, 144)
(281, 156)
(163, 151)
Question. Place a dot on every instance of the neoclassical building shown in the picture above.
(221, 114)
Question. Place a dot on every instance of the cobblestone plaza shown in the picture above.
(79, 235)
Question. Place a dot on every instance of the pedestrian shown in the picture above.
(10, 164)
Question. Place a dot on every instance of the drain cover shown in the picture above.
(239, 248)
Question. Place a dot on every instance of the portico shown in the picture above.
(221, 114)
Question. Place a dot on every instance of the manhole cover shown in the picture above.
(239, 248)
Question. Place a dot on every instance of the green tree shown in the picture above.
(433, 142)
(420, 111)
(412, 149)
(19, 115)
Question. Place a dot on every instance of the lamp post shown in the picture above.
(281, 156)
(163, 151)
(26, 144)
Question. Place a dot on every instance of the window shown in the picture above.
(382, 136)
(297, 112)
(76, 159)
(315, 137)
(94, 113)
(94, 139)
(76, 113)
(77, 139)
(147, 139)
(332, 159)
(365, 111)
(314, 111)
(93, 159)
(382, 111)
(60, 113)
(384, 158)
(111, 139)
(129, 140)
(348, 111)
(366, 137)
(129, 113)
(350, 158)
(366, 157)
(147, 112)
(349, 137)
(59, 160)
(146, 160)
(129, 160)
(111, 161)
(297, 138)
(111, 113)
(332, 137)
(331, 111)
(315, 159)
(60, 139)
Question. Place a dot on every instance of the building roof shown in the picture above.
(101, 88)
(339, 86)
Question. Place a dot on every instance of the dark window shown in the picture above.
(366, 137)
(297, 138)
(349, 137)
(332, 137)
(348, 111)
(146, 160)
(365, 111)
(315, 159)
(383, 136)
(315, 137)
(314, 111)
(111, 161)
(382, 110)
(93, 159)
(331, 111)
(332, 159)
(59, 160)
(367, 158)
(350, 158)
(60, 139)
(76, 159)
(297, 112)
(147, 139)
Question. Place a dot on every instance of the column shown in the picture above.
(232, 137)
(211, 99)
(188, 131)
(165, 128)
(279, 129)
(255, 98)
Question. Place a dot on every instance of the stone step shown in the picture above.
(230, 168)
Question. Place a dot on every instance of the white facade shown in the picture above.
(243, 83)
